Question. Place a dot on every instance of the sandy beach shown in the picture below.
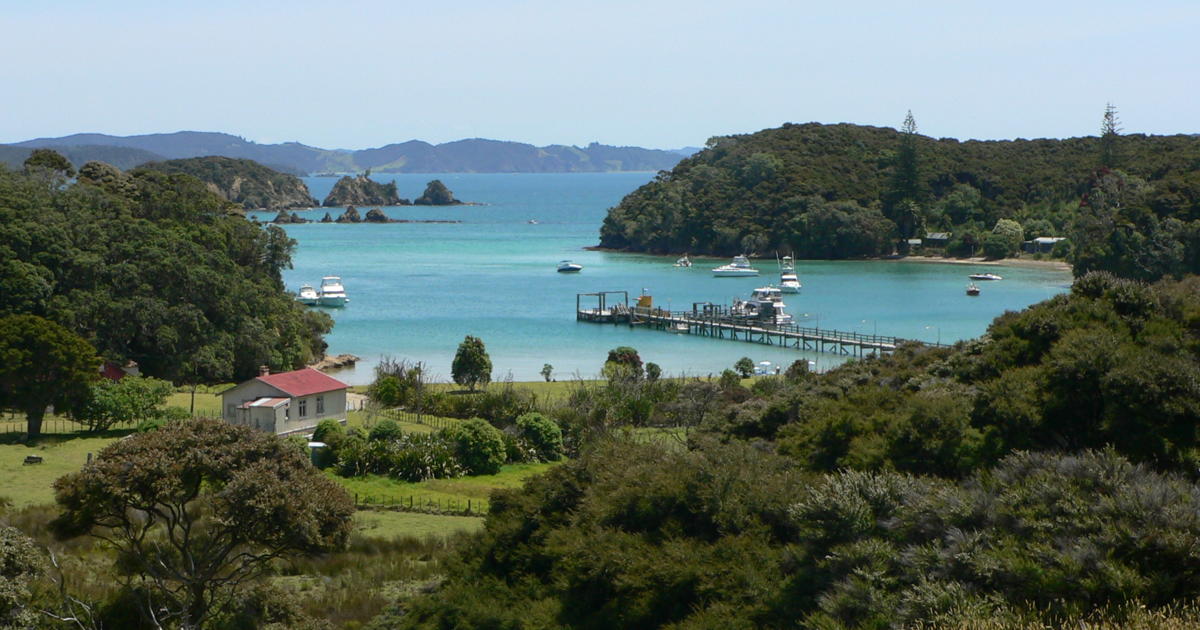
(1056, 265)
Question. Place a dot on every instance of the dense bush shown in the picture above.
(542, 437)
(478, 446)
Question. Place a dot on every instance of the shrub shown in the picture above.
(542, 435)
(385, 430)
(653, 371)
(478, 446)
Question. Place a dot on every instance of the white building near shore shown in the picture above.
(287, 402)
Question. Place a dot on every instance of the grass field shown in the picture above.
(381, 489)
(386, 524)
(33, 484)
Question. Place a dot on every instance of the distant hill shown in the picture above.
(243, 182)
(123, 158)
(475, 155)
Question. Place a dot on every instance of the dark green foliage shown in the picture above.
(385, 430)
(197, 510)
(246, 183)
(436, 194)
(744, 367)
(653, 371)
(130, 399)
(471, 366)
(407, 457)
(50, 160)
(478, 446)
(844, 190)
(542, 436)
(20, 564)
(152, 267)
(43, 364)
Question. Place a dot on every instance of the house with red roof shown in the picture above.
(287, 402)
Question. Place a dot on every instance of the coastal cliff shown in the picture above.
(244, 182)
(363, 191)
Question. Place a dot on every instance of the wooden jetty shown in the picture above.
(715, 320)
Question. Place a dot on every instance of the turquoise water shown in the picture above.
(416, 289)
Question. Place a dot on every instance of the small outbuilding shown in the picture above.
(1042, 244)
(287, 402)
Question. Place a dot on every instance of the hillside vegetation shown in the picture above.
(244, 182)
(152, 267)
(1045, 473)
(838, 191)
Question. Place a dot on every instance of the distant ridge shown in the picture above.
(475, 155)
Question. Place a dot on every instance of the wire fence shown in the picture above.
(414, 417)
(15, 422)
(423, 505)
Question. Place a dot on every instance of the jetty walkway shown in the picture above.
(715, 320)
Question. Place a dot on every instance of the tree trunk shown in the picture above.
(33, 417)
(192, 409)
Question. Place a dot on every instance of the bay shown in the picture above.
(417, 289)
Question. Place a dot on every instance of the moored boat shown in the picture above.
(308, 295)
(765, 306)
(740, 267)
(333, 293)
(567, 266)
(684, 262)
(789, 282)
(984, 276)
(972, 289)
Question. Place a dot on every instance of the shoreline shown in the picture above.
(1028, 263)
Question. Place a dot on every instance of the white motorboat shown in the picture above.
(684, 262)
(332, 292)
(308, 296)
(567, 266)
(765, 306)
(789, 282)
(740, 267)
(984, 276)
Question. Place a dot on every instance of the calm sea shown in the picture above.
(417, 289)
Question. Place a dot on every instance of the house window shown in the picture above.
(303, 407)
(320, 405)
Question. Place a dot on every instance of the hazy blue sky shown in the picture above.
(360, 73)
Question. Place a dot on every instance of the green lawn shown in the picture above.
(33, 484)
(207, 403)
(382, 489)
(387, 524)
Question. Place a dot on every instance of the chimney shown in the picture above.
(264, 370)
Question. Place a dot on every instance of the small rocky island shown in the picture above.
(436, 194)
(363, 191)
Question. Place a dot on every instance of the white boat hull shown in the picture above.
(734, 273)
(335, 301)
(789, 288)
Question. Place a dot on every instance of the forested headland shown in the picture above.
(844, 191)
(244, 182)
(151, 267)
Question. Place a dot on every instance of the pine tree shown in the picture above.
(900, 204)
(1110, 130)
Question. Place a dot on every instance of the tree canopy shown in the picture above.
(43, 364)
(153, 267)
(471, 366)
(198, 509)
(843, 191)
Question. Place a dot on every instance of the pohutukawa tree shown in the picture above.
(197, 509)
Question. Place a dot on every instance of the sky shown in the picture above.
(355, 74)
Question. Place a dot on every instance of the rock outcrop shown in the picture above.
(326, 218)
(285, 217)
(375, 215)
(350, 216)
(436, 194)
(363, 191)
